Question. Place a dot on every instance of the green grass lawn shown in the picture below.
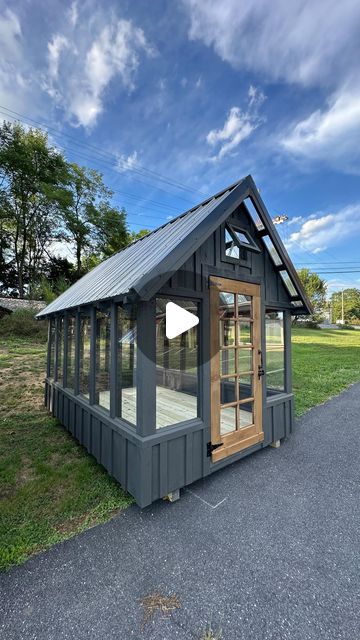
(324, 363)
(50, 488)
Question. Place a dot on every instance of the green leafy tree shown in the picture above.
(351, 298)
(315, 288)
(32, 179)
(110, 232)
(91, 224)
(136, 235)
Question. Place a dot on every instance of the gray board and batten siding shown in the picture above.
(152, 463)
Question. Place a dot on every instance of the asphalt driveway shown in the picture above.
(267, 548)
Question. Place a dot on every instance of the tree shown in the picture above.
(110, 232)
(32, 176)
(351, 299)
(90, 222)
(315, 288)
(136, 235)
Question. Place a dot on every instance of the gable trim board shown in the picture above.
(145, 266)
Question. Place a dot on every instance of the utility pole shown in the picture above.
(342, 306)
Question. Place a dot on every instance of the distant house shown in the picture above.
(8, 305)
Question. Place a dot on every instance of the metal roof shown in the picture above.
(143, 266)
(121, 272)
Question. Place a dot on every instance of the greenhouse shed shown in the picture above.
(161, 412)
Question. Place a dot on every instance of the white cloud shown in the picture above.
(10, 34)
(294, 220)
(126, 163)
(73, 13)
(238, 125)
(15, 75)
(321, 231)
(256, 96)
(80, 70)
(55, 47)
(332, 134)
(300, 41)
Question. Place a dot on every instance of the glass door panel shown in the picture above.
(236, 405)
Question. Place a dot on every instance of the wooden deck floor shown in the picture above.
(172, 407)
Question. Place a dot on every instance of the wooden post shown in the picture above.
(146, 369)
(77, 354)
(48, 363)
(65, 341)
(114, 390)
(56, 348)
(93, 354)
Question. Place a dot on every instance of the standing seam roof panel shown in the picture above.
(120, 273)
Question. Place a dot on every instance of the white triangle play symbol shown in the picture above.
(178, 320)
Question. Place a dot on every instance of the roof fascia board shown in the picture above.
(279, 246)
(149, 284)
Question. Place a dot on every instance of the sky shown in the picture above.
(173, 101)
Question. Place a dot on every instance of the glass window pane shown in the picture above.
(244, 306)
(227, 420)
(244, 332)
(226, 305)
(228, 390)
(52, 347)
(84, 349)
(288, 283)
(227, 333)
(70, 369)
(60, 349)
(231, 248)
(246, 414)
(246, 386)
(127, 354)
(241, 237)
(102, 382)
(271, 249)
(176, 368)
(274, 331)
(227, 361)
(253, 214)
(245, 360)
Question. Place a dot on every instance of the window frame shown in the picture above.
(231, 228)
(285, 389)
(170, 297)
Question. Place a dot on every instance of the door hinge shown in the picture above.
(211, 447)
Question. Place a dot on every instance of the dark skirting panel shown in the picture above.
(151, 467)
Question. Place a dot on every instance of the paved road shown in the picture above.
(267, 548)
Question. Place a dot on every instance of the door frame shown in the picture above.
(240, 439)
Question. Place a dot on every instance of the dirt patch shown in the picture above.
(158, 602)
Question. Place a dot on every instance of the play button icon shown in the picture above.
(178, 320)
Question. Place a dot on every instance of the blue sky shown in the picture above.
(200, 93)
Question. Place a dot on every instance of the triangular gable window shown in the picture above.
(236, 240)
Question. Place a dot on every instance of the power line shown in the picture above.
(139, 169)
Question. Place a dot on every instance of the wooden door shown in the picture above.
(236, 366)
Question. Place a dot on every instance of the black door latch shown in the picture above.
(261, 370)
(211, 447)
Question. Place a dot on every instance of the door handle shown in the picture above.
(261, 370)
